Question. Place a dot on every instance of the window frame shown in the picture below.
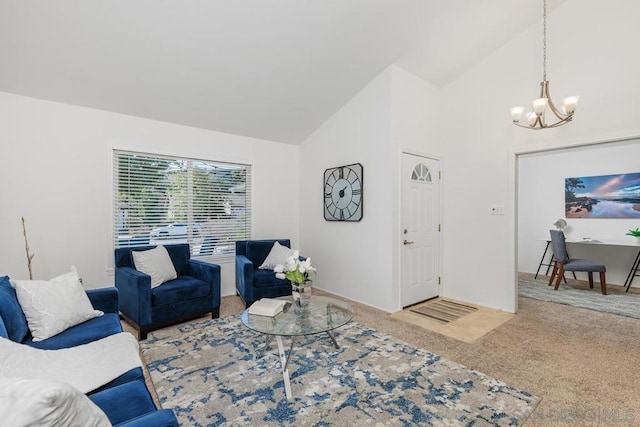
(195, 247)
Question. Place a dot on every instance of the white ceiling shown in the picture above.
(268, 69)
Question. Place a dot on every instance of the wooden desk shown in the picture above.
(633, 272)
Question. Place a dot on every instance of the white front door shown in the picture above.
(420, 222)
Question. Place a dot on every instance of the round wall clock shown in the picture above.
(343, 193)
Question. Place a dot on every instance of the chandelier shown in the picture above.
(536, 119)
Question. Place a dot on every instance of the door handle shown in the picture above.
(407, 242)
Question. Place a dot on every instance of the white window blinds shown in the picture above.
(161, 199)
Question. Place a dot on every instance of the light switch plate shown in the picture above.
(497, 210)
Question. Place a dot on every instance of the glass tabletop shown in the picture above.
(325, 314)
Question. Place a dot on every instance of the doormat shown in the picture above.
(469, 327)
(444, 311)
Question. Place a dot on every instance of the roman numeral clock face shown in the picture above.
(343, 193)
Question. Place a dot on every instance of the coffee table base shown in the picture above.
(324, 316)
(284, 360)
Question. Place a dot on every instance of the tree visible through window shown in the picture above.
(162, 199)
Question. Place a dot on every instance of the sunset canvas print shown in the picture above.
(605, 196)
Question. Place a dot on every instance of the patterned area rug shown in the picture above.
(615, 302)
(219, 373)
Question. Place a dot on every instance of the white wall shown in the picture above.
(353, 258)
(360, 260)
(416, 112)
(591, 53)
(57, 158)
(61, 160)
(57, 172)
(415, 128)
(541, 188)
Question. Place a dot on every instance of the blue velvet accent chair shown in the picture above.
(563, 263)
(253, 283)
(194, 293)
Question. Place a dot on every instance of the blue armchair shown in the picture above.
(194, 293)
(253, 283)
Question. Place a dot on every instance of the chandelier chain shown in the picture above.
(544, 40)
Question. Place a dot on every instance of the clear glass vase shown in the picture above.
(301, 293)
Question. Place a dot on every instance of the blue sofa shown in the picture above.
(253, 283)
(13, 325)
(130, 405)
(194, 293)
(130, 386)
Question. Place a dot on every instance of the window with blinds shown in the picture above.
(161, 200)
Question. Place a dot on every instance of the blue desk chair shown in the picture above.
(563, 263)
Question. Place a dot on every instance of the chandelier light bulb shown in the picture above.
(569, 104)
(539, 105)
(516, 113)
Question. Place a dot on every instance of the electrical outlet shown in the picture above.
(497, 210)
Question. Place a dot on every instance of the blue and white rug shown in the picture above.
(219, 373)
(615, 302)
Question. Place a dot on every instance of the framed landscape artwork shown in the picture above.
(604, 196)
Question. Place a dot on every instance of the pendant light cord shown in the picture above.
(544, 40)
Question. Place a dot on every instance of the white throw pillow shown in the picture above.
(52, 306)
(278, 255)
(156, 263)
(44, 403)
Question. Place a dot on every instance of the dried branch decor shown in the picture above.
(26, 248)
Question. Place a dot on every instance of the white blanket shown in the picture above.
(86, 367)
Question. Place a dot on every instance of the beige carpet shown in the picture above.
(467, 328)
(584, 364)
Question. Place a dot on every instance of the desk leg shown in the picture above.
(284, 361)
(550, 264)
(542, 260)
(633, 272)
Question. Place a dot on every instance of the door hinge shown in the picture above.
(439, 175)
(438, 280)
(439, 227)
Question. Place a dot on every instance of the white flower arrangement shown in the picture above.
(296, 270)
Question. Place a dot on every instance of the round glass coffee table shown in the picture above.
(325, 314)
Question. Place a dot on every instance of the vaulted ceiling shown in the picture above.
(268, 69)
